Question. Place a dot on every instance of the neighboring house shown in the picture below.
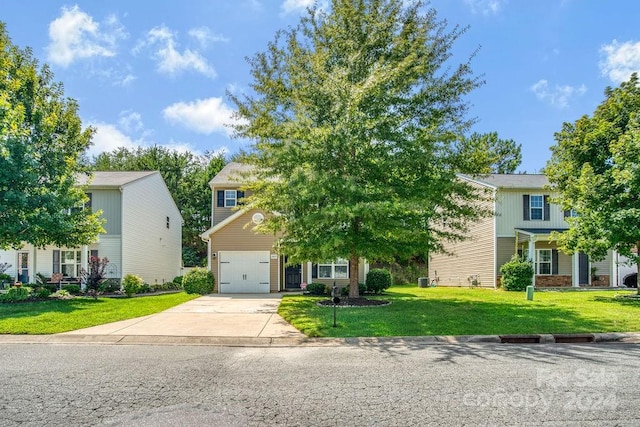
(143, 233)
(523, 222)
(243, 261)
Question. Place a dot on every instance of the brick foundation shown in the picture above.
(553, 281)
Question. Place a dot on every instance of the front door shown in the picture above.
(292, 276)
(23, 267)
(583, 269)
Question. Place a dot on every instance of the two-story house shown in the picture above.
(143, 233)
(243, 261)
(523, 222)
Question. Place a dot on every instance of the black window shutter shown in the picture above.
(239, 197)
(88, 204)
(547, 209)
(554, 261)
(314, 271)
(567, 213)
(525, 207)
(94, 253)
(220, 203)
(56, 261)
(520, 253)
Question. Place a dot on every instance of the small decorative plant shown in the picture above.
(94, 278)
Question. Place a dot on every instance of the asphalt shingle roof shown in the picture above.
(112, 179)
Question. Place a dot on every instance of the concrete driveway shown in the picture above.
(216, 315)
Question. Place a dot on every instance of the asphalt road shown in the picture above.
(482, 384)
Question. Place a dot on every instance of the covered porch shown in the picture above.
(553, 268)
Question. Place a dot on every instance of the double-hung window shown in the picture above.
(66, 262)
(544, 262)
(230, 198)
(536, 206)
(336, 270)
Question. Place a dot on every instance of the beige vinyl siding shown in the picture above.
(472, 257)
(506, 248)
(109, 201)
(509, 211)
(150, 249)
(235, 237)
(604, 266)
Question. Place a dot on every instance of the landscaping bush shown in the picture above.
(378, 280)
(4, 279)
(72, 289)
(198, 281)
(178, 280)
(61, 294)
(15, 294)
(131, 284)
(517, 274)
(316, 289)
(110, 286)
(362, 289)
(41, 292)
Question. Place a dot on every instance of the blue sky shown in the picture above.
(148, 73)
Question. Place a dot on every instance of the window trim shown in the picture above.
(538, 262)
(227, 198)
(540, 208)
(333, 266)
(58, 262)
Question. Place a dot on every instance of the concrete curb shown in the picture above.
(614, 337)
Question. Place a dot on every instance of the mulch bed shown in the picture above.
(355, 302)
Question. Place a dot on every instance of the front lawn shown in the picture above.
(54, 316)
(462, 311)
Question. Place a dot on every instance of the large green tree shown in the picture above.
(187, 177)
(595, 168)
(358, 117)
(41, 142)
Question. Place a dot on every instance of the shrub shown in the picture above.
(198, 281)
(378, 280)
(96, 274)
(5, 278)
(41, 292)
(110, 285)
(516, 274)
(178, 280)
(61, 294)
(131, 284)
(72, 289)
(362, 289)
(316, 289)
(15, 294)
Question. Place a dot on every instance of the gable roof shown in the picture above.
(112, 179)
(231, 174)
(523, 181)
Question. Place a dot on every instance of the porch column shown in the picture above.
(366, 269)
(309, 273)
(84, 263)
(532, 257)
(575, 270)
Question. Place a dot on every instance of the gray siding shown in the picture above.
(110, 202)
(509, 211)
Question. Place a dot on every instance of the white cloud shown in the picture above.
(170, 60)
(204, 36)
(130, 121)
(108, 138)
(558, 96)
(203, 115)
(620, 60)
(289, 6)
(485, 7)
(75, 35)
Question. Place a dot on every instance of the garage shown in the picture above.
(244, 272)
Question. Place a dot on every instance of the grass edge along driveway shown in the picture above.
(462, 311)
(55, 316)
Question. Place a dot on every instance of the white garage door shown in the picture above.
(244, 272)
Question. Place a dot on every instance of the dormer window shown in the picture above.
(229, 198)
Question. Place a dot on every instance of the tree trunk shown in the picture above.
(637, 269)
(354, 292)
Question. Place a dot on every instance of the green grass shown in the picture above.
(461, 311)
(54, 316)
